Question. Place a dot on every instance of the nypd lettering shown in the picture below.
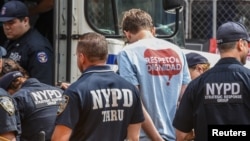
(107, 98)
(112, 115)
(223, 92)
(46, 98)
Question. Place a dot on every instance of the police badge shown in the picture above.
(63, 104)
(7, 104)
(42, 57)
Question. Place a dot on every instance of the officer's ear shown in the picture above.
(241, 45)
(81, 57)
(199, 68)
(26, 20)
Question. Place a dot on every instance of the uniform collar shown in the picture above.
(30, 81)
(228, 60)
(3, 92)
(94, 69)
(18, 42)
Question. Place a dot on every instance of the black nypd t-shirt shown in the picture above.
(38, 104)
(220, 96)
(99, 106)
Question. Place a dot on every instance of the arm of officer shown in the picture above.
(183, 136)
(42, 6)
(64, 85)
(9, 136)
(133, 132)
(61, 133)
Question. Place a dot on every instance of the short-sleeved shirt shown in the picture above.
(160, 69)
(100, 105)
(220, 96)
(34, 53)
(37, 104)
(9, 121)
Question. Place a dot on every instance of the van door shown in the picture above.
(68, 18)
(70, 22)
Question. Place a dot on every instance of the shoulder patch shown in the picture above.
(42, 57)
(7, 104)
(63, 104)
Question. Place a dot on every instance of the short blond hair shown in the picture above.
(136, 19)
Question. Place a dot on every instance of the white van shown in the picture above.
(75, 17)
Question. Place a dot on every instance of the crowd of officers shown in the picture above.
(26, 70)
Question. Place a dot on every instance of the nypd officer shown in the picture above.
(221, 95)
(105, 106)
(9, 121)
(25, 44)
(37, 104)
(197, 64)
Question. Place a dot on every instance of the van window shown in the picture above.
(100, 14)
(104, 16)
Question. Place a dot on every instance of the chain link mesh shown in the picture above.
(202, 17)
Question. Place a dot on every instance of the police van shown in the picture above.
(75, 17)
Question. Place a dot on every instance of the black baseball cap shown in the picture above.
(13, 9)
(195, 58)
(7, 78)
(232, 31)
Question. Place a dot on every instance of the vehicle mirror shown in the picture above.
(171, 4)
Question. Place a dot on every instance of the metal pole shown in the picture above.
(190, 19)
(187, 19)
(214, 18)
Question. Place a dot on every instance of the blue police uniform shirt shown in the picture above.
(220, 96)
(103, 104)
(9, 118)
(37, 103)
(34, 53)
